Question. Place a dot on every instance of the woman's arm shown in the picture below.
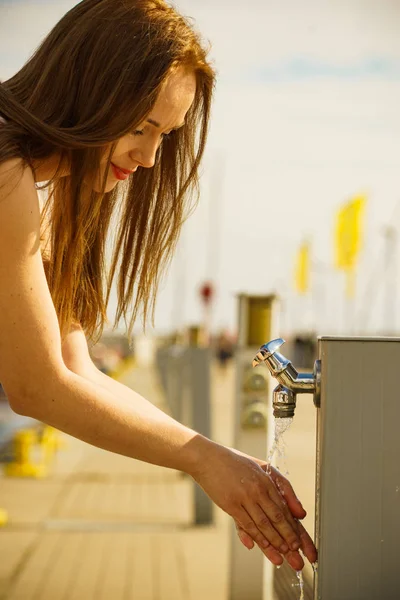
(39, 384)
(77, 358)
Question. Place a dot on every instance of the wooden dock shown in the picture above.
(105, 527)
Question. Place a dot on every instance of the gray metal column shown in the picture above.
(358, 470)
(198, 361)
(185, 374)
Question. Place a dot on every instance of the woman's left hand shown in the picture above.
(297, 510)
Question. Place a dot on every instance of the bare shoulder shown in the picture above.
(15, 174)
(30, 343)
(19, 207)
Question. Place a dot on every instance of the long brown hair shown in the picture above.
(94, 78)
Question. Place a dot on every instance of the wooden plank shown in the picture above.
(156, 509)
(28, 584)
(87, 577)
(126, 508)
(172, 575)
(136, 501)
(15, 547)
(156, 501)
(114, 579)
(141, 575)
(67, 503)
(60, 572)
(182, 497)
(42, 497)
(206, 556)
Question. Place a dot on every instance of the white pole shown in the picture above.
(179, 287)
(390, 273)
(213, 248)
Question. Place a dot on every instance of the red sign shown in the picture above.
(207, 292)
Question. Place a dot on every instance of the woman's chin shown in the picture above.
(110, 185)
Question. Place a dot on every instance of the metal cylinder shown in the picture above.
(195, 336)
(255, 319)
(259, 319)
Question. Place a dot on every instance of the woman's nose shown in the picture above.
(146, 154)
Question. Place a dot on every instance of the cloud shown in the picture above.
(307, 69)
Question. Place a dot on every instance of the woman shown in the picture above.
(112, 112)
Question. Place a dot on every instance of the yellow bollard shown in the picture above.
(22, 466)
(3, 517)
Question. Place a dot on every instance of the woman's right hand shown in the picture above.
(239, 486)
(286, 490)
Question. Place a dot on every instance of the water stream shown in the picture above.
(279, 449)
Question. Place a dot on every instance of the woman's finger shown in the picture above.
(307, 545)
(270, 552)
(287, 491)
(280, 517)
(277, 498)
(264, 525)
(244, 537)
(248, 525)
(273, 555)
(295, 561)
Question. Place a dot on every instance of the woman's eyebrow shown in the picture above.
(157, 124)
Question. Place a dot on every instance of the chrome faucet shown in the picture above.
(291, 382)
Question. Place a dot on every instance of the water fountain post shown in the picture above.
(357, 523)
(251, 575)
(358, 470)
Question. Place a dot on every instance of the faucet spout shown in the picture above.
(283, 402)
(291, 382)
(282, 369)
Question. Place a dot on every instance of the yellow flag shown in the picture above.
(302, 271)
(348, 232)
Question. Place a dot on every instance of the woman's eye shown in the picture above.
(138, 132)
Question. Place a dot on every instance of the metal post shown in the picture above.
(251, 575)
(185, 373)
(390, 274)
(174, 388)
(198, 362)
(358, 470)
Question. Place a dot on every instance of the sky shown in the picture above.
(306, 116)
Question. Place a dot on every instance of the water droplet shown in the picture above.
(397, 488)
(314, 567)
(301, 584)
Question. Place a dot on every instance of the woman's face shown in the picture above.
(138, 149)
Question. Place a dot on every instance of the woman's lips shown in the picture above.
(121, 174)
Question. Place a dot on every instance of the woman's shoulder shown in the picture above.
(17, 183)
(15, 177)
